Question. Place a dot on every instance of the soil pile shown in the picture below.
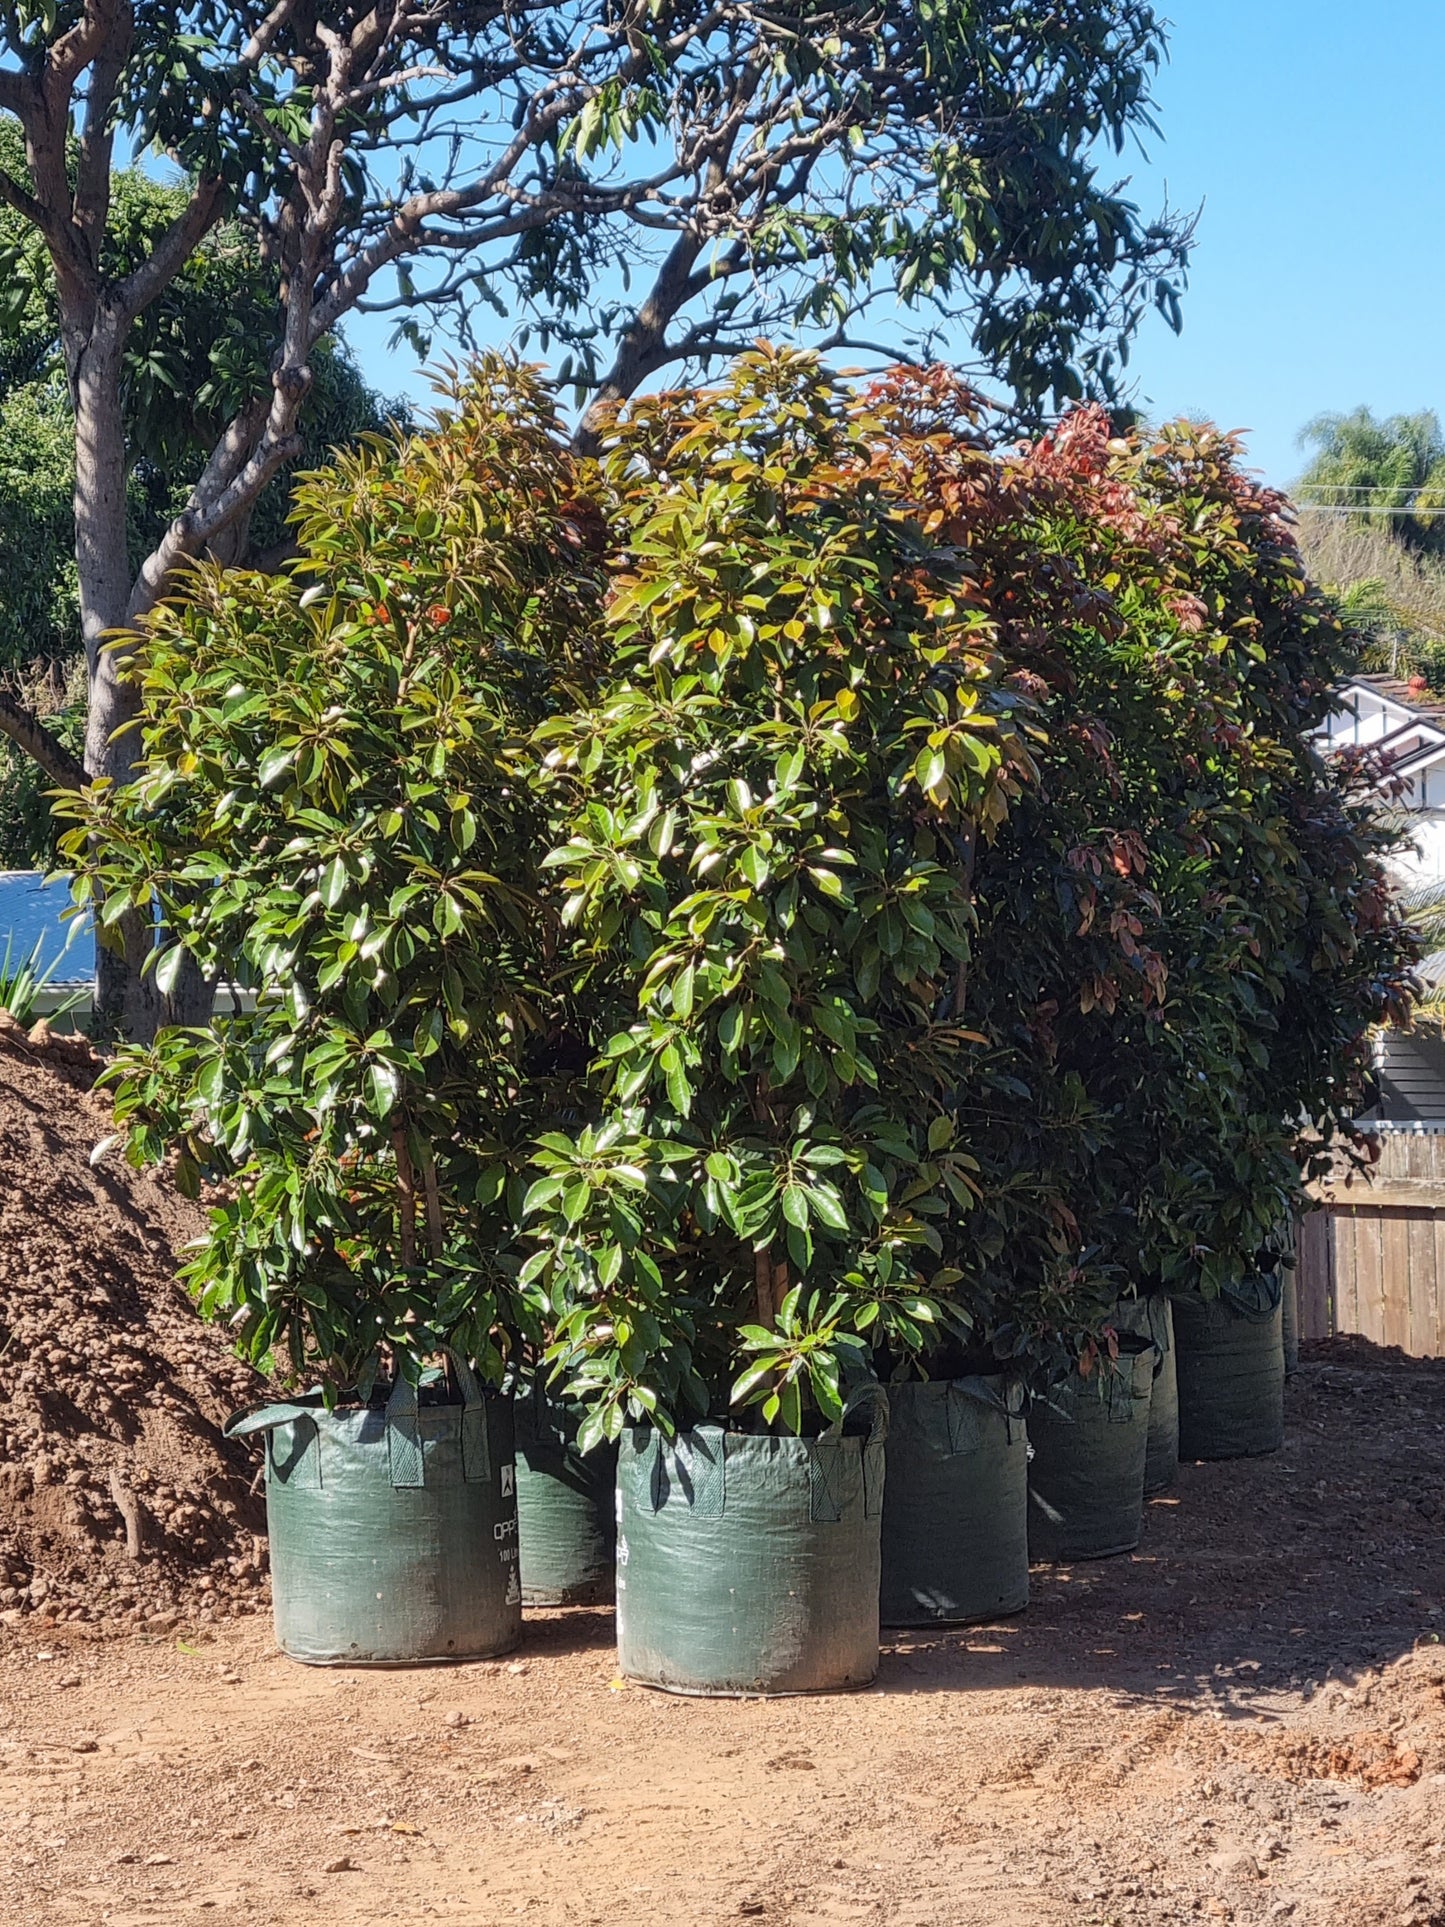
(120, 1502)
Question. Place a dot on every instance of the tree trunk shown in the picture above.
(127, 1002)
(770, 1287)
(643, 348)
(100, 548)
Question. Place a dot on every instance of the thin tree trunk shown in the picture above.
(100, 548)
(435, 1229)
(405, 1197)
(770, 1286)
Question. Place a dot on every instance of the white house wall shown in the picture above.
(1424, 860)
(1363, 717)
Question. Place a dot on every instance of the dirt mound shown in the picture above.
(120, 1502)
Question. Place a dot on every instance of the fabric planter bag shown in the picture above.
(393, 1533)
(1152, 1317)
(566, 1505)
(1161, 1463)
(749, 1565)
(1231, 1371)
(955, 1520)
(1090, 1442)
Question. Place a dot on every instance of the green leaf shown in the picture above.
(381, 1086)
(168, 968)
(274, 764)
(828, 1207)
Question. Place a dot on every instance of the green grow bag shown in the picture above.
(1231, 1371)
(1090, 1442)
(1152, 1318)
(566, 1505)
(748, 1565)
(1289, 1321)
(955, 1519)
(393, 1533)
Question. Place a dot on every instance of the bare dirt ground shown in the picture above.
(1245, 1721)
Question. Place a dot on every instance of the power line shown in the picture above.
(1350, 488)
(1361, 508)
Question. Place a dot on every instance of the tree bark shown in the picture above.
(27, 732)
(643, 348)
(100, 548)
(770, 1287)
(127, 1003)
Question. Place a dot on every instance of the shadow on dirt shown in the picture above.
(572, 1629)
(1255, 1576)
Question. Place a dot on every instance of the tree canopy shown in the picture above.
(737, 170)
(826, 894)
(646, 189)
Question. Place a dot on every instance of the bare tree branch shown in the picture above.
(17, 93)
(97, 132)
(173, 250)
(31, 210)
(28, 733)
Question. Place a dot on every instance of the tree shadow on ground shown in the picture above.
(551, 1630)
(1255, 1577)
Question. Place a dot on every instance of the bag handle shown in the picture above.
(241, 1425)
(869, 1393)
(405, 1457)
(1010, 1403)
(303, 1468)
(1121, 1394)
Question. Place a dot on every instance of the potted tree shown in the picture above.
(333, 811)
(566, 1498)
(769, 811)
(1182, 933)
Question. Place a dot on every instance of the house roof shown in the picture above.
(1398, 694)
(1414, 738)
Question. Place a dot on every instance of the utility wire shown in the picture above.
(1361, 508)
(1350, 488)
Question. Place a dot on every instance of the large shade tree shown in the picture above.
(651, 185)
(197, 352)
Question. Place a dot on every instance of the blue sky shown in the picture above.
(1311, 130)
(1309, 134)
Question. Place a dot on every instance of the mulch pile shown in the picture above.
(120, 1502)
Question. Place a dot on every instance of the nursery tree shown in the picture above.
(746, 169)
(1186, 932)
(331, 799)
(771, 811)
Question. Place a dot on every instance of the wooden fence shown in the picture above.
(1372, 1259)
